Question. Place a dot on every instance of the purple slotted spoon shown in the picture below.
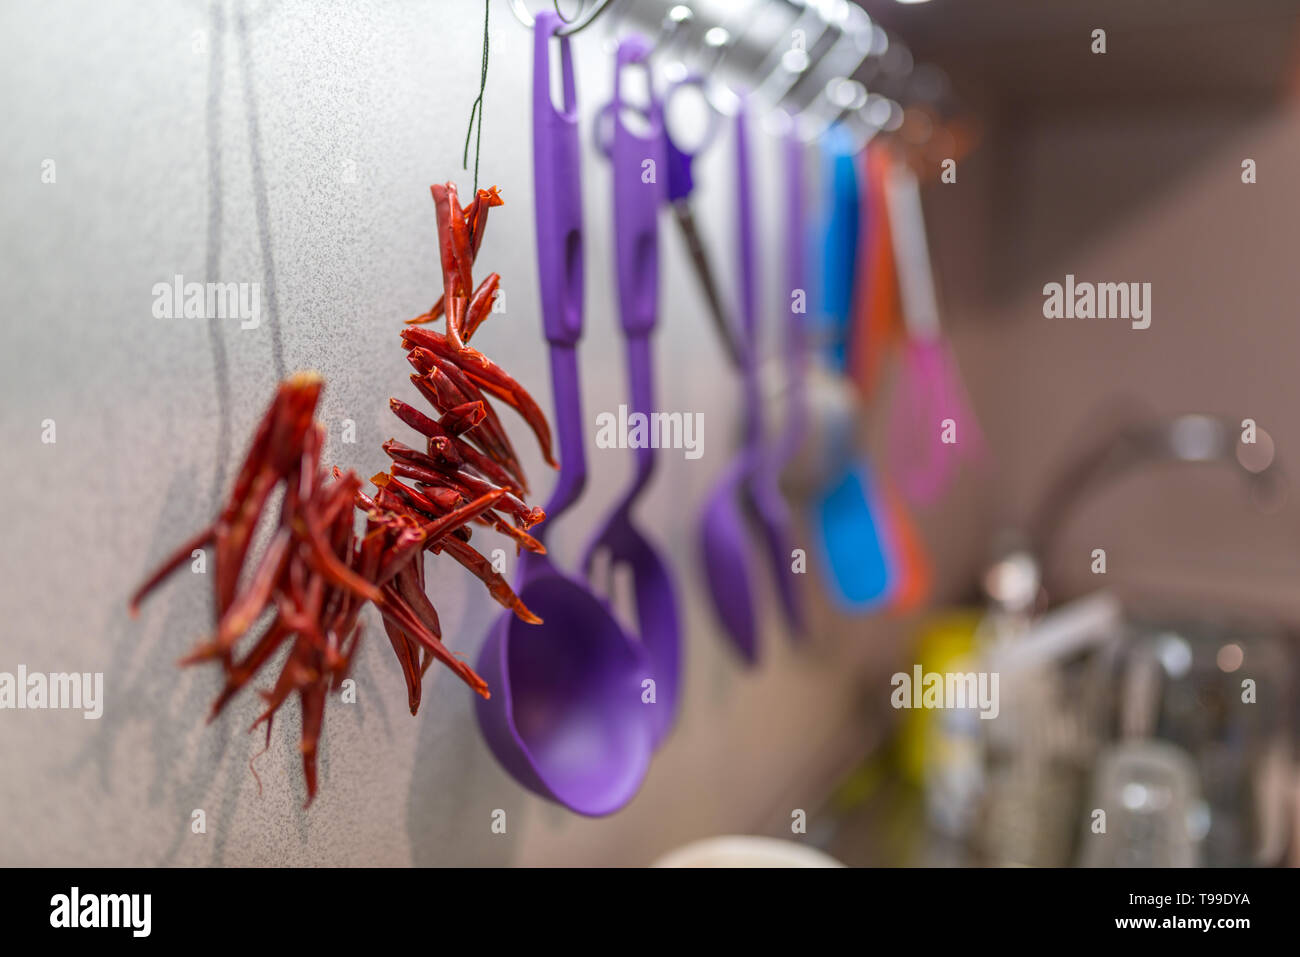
(565, 717)
(636, 250)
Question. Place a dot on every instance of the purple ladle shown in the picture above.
(565, 718)
(636, 252)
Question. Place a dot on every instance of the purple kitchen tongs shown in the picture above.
(566, 717)
(636, 252)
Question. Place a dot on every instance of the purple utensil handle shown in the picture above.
(567, 393)
(776, 534)
(636, 238)
(796, 344)
(745, 231)
(636, 202)
(748, 331)
(557, 188)
(557, 194)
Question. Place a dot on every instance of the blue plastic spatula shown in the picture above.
(848, 514)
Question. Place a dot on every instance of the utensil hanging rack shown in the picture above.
(841, 66)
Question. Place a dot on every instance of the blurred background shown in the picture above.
(292, 143)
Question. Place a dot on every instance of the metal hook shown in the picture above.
(845, 100)
(717, 42)
(679, 75)
(523, 16)
(783, 69)
(671, 28)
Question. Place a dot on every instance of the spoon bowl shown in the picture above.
(724, 549)
(774, 523)
(568, 721)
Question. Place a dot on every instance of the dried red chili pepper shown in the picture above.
(488, 377)
(475, 216)
(453, 295)
(480, 304)
(291, 574)
(441, 382)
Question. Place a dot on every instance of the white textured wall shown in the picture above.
(117, 95)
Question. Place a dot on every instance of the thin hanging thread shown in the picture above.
(477, 109)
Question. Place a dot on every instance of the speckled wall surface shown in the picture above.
(148, 110)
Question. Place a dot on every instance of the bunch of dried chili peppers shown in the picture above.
(316, 573)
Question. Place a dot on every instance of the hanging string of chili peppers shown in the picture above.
(316, 573)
